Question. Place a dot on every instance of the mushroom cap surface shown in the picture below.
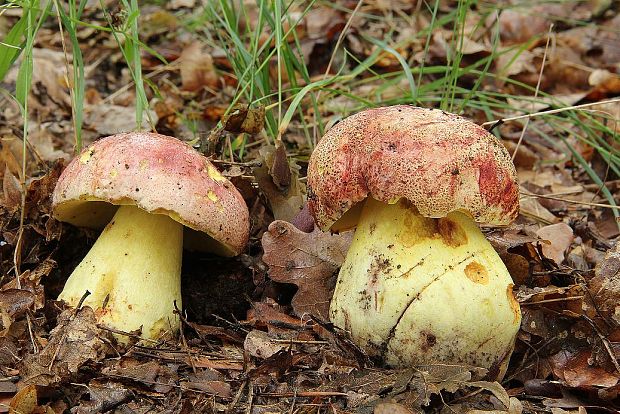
(439, 161)
(160, 175)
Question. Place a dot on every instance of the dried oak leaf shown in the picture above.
(153, 374)
(74, 342)
(308, 260)
(245, 119)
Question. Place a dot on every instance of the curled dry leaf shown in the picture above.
(25, 401)
(557, 238)
(308, 260)
(287, 202)
(577, 372)
(245, 119)
(13, 304)
(108, 119)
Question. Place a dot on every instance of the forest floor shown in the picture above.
(238, 79)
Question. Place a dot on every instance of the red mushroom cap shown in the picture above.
(158, 174)
(438, 161)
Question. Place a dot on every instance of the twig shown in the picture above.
(605, 342)
(303, 394)
(552, 111)
(248, 409)
(542, 68)
(585, 203)
(235, 400)
(552, 300)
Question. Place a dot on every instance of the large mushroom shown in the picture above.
(420, 283)
(150, 192)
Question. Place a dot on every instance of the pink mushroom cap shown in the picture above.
(160, 175)
(438, 161)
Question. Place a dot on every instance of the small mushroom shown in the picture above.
(150, 192)
(420, 283)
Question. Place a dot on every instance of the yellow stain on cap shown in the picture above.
(212, 196)
(86, 156)
(214, 174)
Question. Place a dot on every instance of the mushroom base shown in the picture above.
(415, 290)
(133, 272)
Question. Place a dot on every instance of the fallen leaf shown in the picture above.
(308, 260)
(605, 286)
(259, 344)
(265, 314)
(25, 401)
(197, 69)
(74, 342)
(224, 335)
(12, 191)
(108, 119)
(280, 170)
(211, 382)
(103, 397)
(219, 388)
(576, 371)
(391, 408)
(518, 26)
(13, 304)
(557, 238)
(245, 119)
(285, 203)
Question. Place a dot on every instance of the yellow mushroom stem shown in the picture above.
(415, 290)
(133, 272)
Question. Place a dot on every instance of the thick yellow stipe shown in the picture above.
(133, 272)
(416, 290)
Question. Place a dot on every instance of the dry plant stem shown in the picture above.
(419, 290)
(542, 68)
(551, 111)
(134, 273)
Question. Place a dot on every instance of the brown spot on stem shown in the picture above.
(514, 305)
(428, 340)
(416, 229)
(451, 233)
(477, 273)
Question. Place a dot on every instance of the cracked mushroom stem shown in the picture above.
(420, 283)
(155, 195)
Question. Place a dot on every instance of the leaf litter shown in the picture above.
(256, 336)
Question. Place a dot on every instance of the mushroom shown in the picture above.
(150, 192)
(420, 283)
